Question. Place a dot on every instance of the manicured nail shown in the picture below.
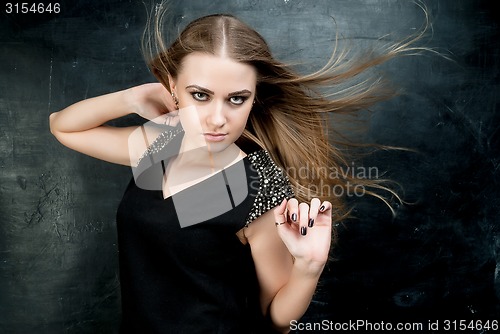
(294, 217)
(322, 208)
(311, 222)
(303, 230)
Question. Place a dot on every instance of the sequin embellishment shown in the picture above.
(160, 143)
(274, 185)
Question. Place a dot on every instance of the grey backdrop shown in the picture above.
(436, 260)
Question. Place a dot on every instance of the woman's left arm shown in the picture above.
(290, 256)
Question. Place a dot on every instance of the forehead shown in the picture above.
(212, 71)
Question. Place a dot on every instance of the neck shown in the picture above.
(202, 157)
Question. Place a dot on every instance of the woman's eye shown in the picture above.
(237, 100)
(200, 96)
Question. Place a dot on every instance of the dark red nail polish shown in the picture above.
(294, 217)
(303, 230)
(322, 208)
(311, 222)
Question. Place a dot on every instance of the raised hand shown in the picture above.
(153, 102)
(306, 230)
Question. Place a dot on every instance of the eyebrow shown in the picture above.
(208, 91)
(240, 92)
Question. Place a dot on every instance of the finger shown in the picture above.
(175, 121)
(326, 207)
(303, 218)
(313, 211)
(173, 113)
(325, 210)
(293, 210)
(279, 213)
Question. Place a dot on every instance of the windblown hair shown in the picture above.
(290, 118)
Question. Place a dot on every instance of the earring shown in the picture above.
(176, 101)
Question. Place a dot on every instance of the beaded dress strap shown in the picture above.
(160, 143)
(274, 185)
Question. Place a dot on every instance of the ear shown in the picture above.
(172, 83)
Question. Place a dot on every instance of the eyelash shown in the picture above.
(205, 97)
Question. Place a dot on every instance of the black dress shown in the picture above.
(195, 276)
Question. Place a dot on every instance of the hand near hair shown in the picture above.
(306, 230)
(154, 102)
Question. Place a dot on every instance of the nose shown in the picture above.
(217, 117)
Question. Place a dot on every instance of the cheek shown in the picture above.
(245, 112)
(190, 119)
(240, 117)
(184, 100)
(240, 121)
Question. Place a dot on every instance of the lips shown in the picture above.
(214, 136)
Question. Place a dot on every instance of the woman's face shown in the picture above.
(215, 98)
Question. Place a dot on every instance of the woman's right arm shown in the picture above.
(81, 125)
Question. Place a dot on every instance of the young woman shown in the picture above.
(227, 224)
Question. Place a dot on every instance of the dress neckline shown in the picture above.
(205, 180)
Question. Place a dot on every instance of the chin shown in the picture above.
(216, 147)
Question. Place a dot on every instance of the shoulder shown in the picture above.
(148, 171)
(272, 184)
(158, 144)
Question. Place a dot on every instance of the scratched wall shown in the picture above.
(437, 259)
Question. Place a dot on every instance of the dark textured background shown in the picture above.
(436, 260)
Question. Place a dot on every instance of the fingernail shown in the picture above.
(294, 217)
(322, 208)
(303, 230)
(311, 222)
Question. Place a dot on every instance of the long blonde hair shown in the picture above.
(290, 118)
